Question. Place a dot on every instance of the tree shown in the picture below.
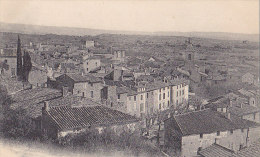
(27, 66)
(19, 65)
(16, 123)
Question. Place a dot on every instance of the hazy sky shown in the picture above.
(188, 15)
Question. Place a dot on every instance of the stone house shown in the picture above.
(8, 62)
(60, 121)
(81, 85)
(149, 98)
(189, 133)
(91, 64)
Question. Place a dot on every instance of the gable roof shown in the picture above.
(83, 78)
(208, 121)
(215, 150)
(244, 110)
(67, 117)
(31, 99)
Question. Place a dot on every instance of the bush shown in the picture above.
(109, 141)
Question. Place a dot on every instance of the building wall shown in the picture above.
(255, 117)
(88, 90)
(130, 127)
(91, 64)
(11, 61)
(191, 144)
(37, 78)
(181, 97)
(158, 99)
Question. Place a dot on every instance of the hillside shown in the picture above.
(36, 29)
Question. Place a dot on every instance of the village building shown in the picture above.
(38, 77)
(91, 63)
(8, 62)
(149, 98)
(81, 85)
(191, 132)
(60, 121)
(217, 150)
(250, 79)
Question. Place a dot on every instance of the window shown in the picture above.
(87, 63)
(168, 94)
(130, 98)
(254, 116)
(159, 96)
(218, 133)
(201, 135)
(242, 130)
(231, 131)
(180, 93)
(134, 98)
(152, 93)
(118, 96)
(87, 69)
(141, 97)
(168, 103)
(91, 84)
(83, 94)
(160, 90)
(163, 95)
(177, 94)
(92, 94)
(96, 63)
(160, 106)
(141, 107)
(147, 95)
(183, 92)
(163, 105)
(177, 86)
(177, 102)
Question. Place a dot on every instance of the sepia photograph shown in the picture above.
(129, 78)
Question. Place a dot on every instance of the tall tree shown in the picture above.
(27, 66)
(19, 69)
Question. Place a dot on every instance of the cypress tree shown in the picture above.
(27, 66)
(19, 70)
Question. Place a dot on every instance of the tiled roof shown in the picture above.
(30, 99)
(71, 100)
(252, 151)
(209, 121)
(83, 78)
(245, 110)
(220, 102)
(215, 150)
(67, 117)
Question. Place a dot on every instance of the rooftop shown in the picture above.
(67, 117)
(208, 121)
(216, 150)
(252, 151)
(82, 78)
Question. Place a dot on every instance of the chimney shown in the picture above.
(65, 91)
(230, 103)
(228, 115)
(46, 106)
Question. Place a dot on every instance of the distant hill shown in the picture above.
(36, 29)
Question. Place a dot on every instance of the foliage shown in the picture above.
(16, 123)
(27, 66)
(110, 141)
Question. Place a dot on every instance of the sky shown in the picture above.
(149, 16)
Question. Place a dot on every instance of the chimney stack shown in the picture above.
(228, 115)
(230, 102)
(46, 106)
